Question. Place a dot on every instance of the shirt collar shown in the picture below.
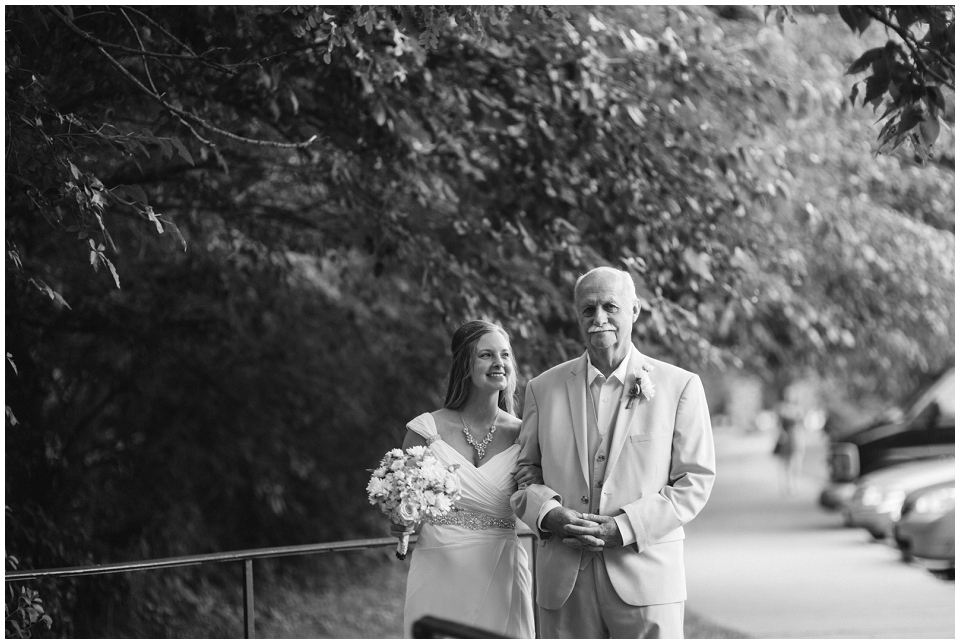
(620, 373)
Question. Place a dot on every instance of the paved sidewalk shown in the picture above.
(772, 566)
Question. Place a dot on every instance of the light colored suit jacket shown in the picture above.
(660, 472)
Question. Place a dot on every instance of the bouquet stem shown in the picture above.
(402, 547)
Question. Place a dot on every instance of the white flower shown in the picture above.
(433, 472)
(642, 385)
(647, 388)
(380, 472)
(408, 511)
(442, 504)
(377, 488)
(417, 450)
(395, 453)
(452, 485)
(396, 466)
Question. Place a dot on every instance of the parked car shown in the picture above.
(879, 496)
(926, 531)
(926, 429)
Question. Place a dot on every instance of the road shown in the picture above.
(772, 566)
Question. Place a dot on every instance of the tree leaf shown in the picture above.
(909, 119)
(636, 115)
(113, 270)
(929, 129)
(855, 17)
(862, 63)
(182, 149)
(137, 193)
(936, 97)
(166, 147)
(698, 263)
(876, 88)
(176, 231)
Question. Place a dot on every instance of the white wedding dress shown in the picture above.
(475, 573)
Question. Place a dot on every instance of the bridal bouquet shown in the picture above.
(413, 486)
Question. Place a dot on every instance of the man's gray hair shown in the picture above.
(626, 279)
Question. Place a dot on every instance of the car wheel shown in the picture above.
(946, 575)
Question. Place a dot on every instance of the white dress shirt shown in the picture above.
(605, 394)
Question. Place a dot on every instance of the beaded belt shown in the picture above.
(474, 520)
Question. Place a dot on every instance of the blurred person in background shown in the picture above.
(796, 422)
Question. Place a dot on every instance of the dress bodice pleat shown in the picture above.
(486, 488)
(477, 577)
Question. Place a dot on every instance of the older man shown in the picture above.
(626, 452)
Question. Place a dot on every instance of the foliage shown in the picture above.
(340, 26)
(23, 609)
(911, 76)
(293, 208)
(837, 256)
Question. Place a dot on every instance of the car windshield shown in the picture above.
(942, 392)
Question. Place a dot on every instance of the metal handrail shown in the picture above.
(191, 560)
(246, 556)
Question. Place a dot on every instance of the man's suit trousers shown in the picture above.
(594, 611)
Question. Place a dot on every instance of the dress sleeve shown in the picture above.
(424, 426)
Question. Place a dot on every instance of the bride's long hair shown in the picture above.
(463, 346)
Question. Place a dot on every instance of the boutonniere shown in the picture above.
(642, 386)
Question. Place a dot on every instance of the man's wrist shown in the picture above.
(550, 504)
(627, 534)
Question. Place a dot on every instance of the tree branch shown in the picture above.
(166, 33)
(175, 110)
(146, 66)
(155, 54)
(908, 39)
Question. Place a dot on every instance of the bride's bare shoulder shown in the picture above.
(443, 416)
(447, 422)
(510, 424)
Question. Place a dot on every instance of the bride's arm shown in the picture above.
(412, 439)
(528, 475)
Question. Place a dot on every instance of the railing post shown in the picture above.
(248, 627)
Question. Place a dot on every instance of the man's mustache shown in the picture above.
(597, 329)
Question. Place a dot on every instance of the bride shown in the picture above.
(471, 567)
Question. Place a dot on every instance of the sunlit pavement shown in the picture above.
(775, 566)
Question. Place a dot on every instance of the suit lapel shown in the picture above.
(625, 417)
(577, 395)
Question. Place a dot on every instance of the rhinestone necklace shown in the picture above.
(482, 446)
